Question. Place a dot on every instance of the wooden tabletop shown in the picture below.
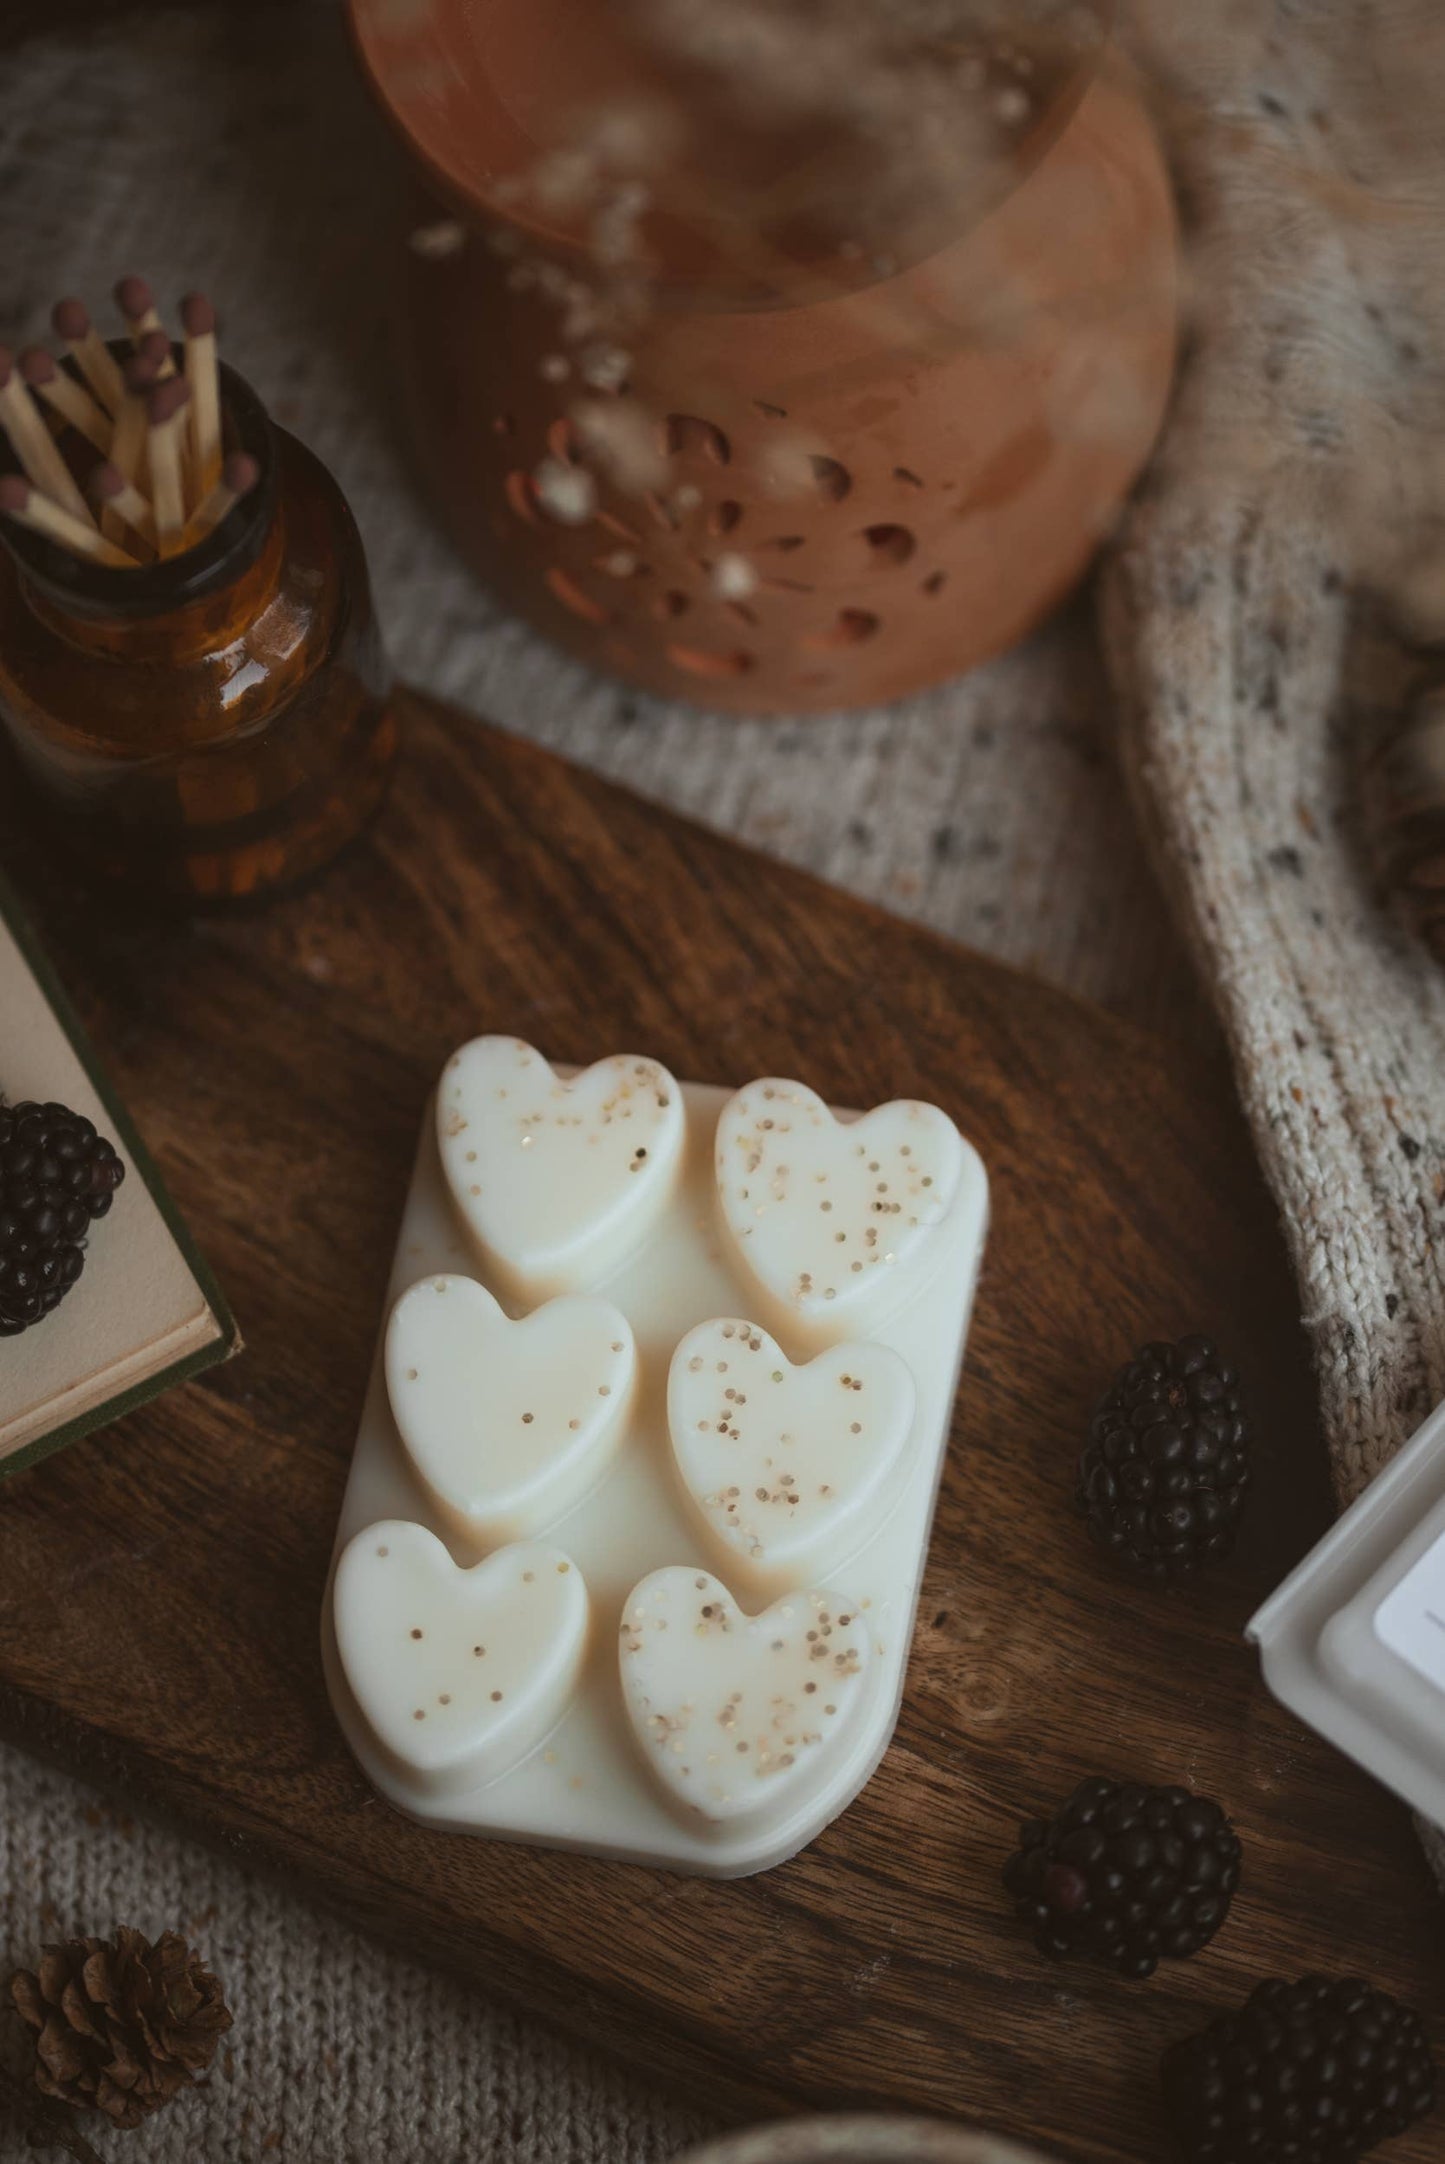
(160, 1585)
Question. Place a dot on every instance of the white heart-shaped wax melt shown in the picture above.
(738, 1715)
(557, 1181)
(790, 1468)
(508, 1424)
(832, 1220)
(458, 1673)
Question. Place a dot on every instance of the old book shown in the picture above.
(146, 1312)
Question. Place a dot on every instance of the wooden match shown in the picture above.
(239, 475)
(33, 443)
(165, 416)
(90, 353)
(30, 507)
(58, 389)
(113, 492)
(137, 303)
(198, 320)
(128, 444)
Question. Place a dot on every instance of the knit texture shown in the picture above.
(1301, 491)
(1303, 469)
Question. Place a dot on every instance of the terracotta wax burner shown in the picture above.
(883, 426)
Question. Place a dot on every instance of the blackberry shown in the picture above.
(56, 1176)
(1125, 1873)
(1314, 2072)
(1163, 1473)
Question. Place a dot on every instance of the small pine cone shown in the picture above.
(120, 2025)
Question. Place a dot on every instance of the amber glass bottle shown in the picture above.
(215, 726)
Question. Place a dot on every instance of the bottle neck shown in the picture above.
(163, 634)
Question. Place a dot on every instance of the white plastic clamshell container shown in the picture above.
(1354, 1640)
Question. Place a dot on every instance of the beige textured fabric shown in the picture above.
(1305, 461)
(228, 147)
(1305, 472)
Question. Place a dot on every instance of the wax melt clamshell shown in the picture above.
(1354, 1640)
(640, 1503)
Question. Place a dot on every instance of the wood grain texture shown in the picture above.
(160, 1585)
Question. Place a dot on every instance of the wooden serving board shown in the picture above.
(160, 1585)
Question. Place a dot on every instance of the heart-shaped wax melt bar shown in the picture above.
(790, 1468)
(458, 1673)
(738, 1715)
(832, 1221)
(507, 1423)
(557, 1181)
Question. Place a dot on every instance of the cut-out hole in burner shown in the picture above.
(687, 436)
(889, 544)
(908, 477)
(851, 627)
(832, 481)
(742, 612)
(725, 517)
(701, 661)
(562, 440)
(786, 543)
(935, 582)
(571, 596)
(768, 411)
(672, 603)
(620, 528)
(522, 496)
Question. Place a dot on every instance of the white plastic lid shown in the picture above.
(1354, 1640)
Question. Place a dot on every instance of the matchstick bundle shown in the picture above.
(163, 482)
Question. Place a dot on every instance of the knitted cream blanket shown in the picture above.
(1306, 463)
(1305, 472)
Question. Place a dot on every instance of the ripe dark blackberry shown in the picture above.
(1163, 1473)
(1314, 2072)
(56, 1176)
(1125, 1873)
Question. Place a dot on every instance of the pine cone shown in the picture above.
(120, 2025)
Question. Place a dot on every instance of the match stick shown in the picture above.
(165, 414)
(128, 444)
(34, 445)
(154, 346)
(114, 492)
(29, 507)
(239, 475)
(90, 353)
(198, 320)
(137, 303)
(71, 400)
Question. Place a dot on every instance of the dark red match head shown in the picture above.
(198, 317)
(14, 492)
(165, 400)
(107, 482)
(240, 472)
(37, 365)
(70, 320)
(155, 346)
(133, 296)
